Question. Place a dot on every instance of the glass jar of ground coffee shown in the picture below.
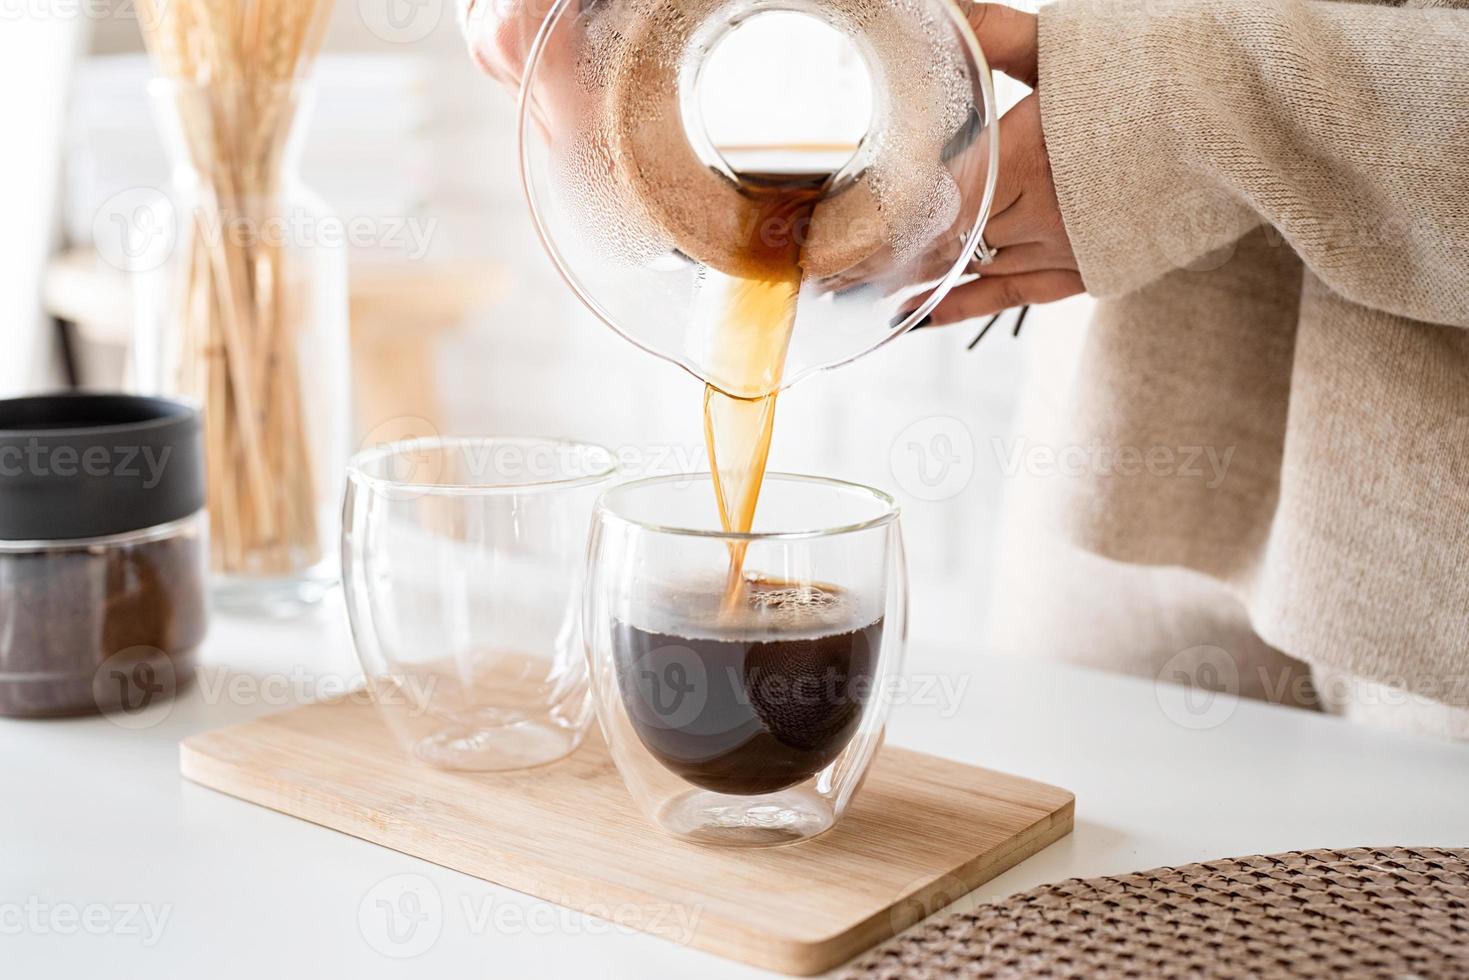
(102, 553)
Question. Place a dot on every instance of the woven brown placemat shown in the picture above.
(1365, 912)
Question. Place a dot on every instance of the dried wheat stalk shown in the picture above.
(234, 65)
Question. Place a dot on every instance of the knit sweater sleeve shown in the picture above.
(1175, 126)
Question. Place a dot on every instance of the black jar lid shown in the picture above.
(91, 465)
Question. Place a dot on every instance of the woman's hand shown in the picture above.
(500, 34)
(1035, 263)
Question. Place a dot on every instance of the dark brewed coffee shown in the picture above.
(751, 703)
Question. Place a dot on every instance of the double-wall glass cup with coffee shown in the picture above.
(740, 679)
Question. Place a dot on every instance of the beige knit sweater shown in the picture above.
(1271, 197)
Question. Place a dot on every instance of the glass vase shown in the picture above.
(248, 319)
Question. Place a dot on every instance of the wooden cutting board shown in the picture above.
(922, 832)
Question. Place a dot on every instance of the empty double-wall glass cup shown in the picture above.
(463, 561)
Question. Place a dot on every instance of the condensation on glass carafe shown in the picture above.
(650, 207)
(639, 185)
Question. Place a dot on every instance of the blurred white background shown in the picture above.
(407, 131)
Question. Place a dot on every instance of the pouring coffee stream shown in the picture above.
(751, 336)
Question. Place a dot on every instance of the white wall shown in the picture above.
(36, 53)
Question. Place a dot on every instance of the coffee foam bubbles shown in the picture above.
(771, 610)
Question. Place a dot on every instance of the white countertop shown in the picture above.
(112, 865)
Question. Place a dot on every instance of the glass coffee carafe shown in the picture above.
(650, 127)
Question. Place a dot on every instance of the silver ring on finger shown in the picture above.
(983, 255)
